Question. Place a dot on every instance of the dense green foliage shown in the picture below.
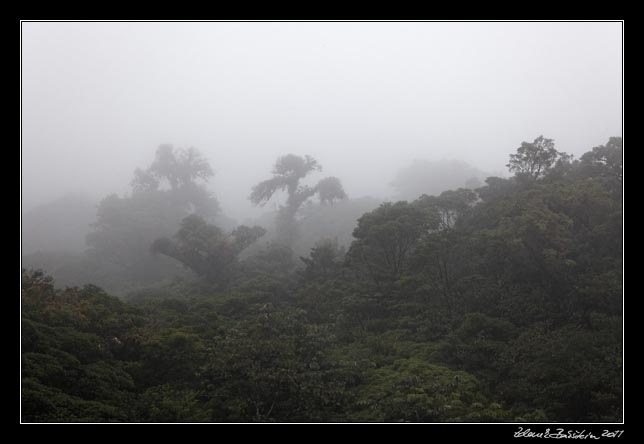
(500, 304)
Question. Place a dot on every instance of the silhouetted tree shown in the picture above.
(533, 160)
(206, 250)
(605, 162)
(177, 167)
(329, 190)
(171, 188)
(288, 171)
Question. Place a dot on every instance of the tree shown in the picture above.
(496, 187)
(288, 171)
(171, 188)
(387, 237)
(605, 162)
(324, 261)
(206, 250)
(449, 206)
(184, 171)
(330, 189)
(533, 160)
(178, 168)
(144, 181)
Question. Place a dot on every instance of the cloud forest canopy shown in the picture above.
(498, 303)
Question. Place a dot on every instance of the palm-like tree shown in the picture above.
(287, 173)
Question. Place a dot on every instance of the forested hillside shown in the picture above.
(502, 303)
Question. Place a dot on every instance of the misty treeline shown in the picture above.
(497, 301)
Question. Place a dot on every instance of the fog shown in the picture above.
(322, 222)
(364, 99)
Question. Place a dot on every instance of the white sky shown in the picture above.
(363, 98)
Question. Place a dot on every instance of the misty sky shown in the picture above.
(363, 98)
